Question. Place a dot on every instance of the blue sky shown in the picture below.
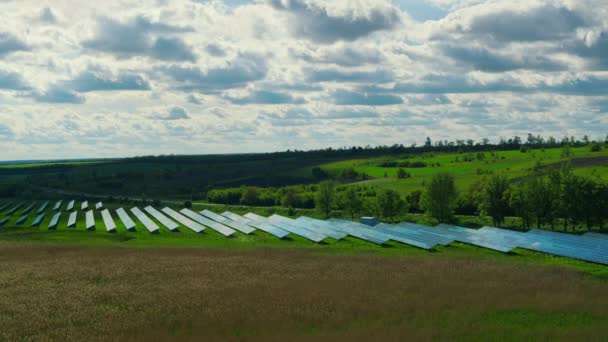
(158, 76)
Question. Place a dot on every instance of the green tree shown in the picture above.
(440, 196)
(521, 201)
(413, 201)
(326, 196)
(250, 196)
(390, 203)
(401, 174)
(495, 200)
(351, 201)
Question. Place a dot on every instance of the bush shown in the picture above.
(596, 147)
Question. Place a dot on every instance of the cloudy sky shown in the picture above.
(189, 77)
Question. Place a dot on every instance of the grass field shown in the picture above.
(513, 163)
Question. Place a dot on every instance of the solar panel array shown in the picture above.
(108, 221)
(54, 221)
(84, 205)
(194, 226)
(98, 205)
(145, 220)
(591, 246)
(89, 220)
(164, 220)
(126, 220)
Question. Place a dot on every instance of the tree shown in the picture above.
(401, 174)
(495, 201)
(326, 196)
(521, 201)
(351, 201)
(390, 203)
(413, 201)
(250, 196)
(440, 196)
(319, 174)
(290, 198)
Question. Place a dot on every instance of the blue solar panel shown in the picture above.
(322, 227)
(218, 227)
(145, 220)
(22, 219)
(54, 221)
(405, 236)
(263, 226)
(164, 220)
(70, 205)
(42, 207)
(305, 233)
(57, 206)
(360, 231)
(84, 205)
(38, 220)
(472, 237)
(241, 227)
(596, 235)
(423, 232)
(72, 219)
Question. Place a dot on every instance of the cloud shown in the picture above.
(333, 75)
(483, 59)
(47, 16)
(318, 22)
(12, 81)
(10, 44)
(194, 100)
(512, 22)
(594, 48)
(140, 37)
(96, 79)
(429, 100)
(346, 56)
(6, 132)
(350, 114)
(58, 94)
(266, 97)
(215, 50)
(350, 98)
(237, 73)
(175, 113)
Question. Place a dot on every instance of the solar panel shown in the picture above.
(14, 209)
(72, 219)
(89, 220)
(22, 219)
(57, 206)
(3, 221)
(597, 235)
(359, 231)
(404, 237)
(70, 205)
(42, 207)
(194, 226)
(4, 206)
(164, 220)
(241, 227)
(98, 205)
(84, 205)
(28, 209)
(220, 228)
(317, 227)
(38, 220)
(54, 221)
(416, 233)
(303, 232)
(472, 237)
(263, 226)
(149, 224)
(108, 221)
(126, 220)
(387, 235)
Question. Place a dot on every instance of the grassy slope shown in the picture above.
(514, 164)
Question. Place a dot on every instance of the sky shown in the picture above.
(151, 77)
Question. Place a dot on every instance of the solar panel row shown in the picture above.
(4, 221)
(241, 227)
(126, 220)
(14, 209)
(42, 207)
(108, 221)
(164, 220)
(28, 209)
(360, 231)
(57, 206)
(218, 227)
(54, 221)
(70, 205)
(22, 219)
(194, 226)
(98, 205)
(89, 220)
(84, 205)
(302, 232)
(38, 220)
(145, 220)
(72, 219)
(4, 206)
(263, 226)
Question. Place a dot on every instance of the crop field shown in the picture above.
(100, 293)
(513, 163)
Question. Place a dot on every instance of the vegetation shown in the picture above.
(439, 197)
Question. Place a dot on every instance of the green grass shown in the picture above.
(513, 163)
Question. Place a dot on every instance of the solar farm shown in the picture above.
(590, 247)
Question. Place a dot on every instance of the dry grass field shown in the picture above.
(106, 293)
